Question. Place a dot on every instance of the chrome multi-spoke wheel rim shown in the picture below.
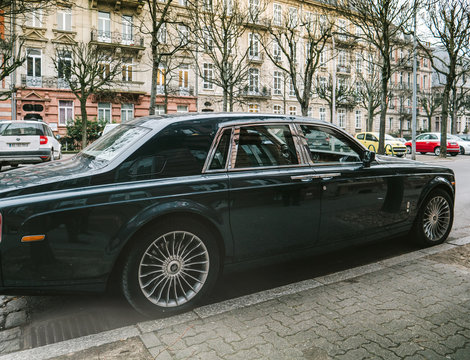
(173, 269)
(436, 218)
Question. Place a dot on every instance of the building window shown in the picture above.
(127, 30)
(277, 86)
(292, 110)
(64, 64)
(161, 79)
(341, 118)
(277, 14)
(104, 69)
(207, 76)
(64, 19)
(36, 18)
(322, 59)
(253, 46)
(104, 112)
(277, 109)
(253, 108)
(342, 58)
(291, 88)
(253, 78)
(207, 5)
(183, 2)
(33, 68)
(253, 10)
(127, 72)
(183, 34)
(293, 18)
(276, 51)
(228, 7)
(161, 34)
(208, 41)
(183, 80)
(182, 108)
(358, 121)
(104, 27)
(65, 112)
(390, 124)
(322, 113)
(358, 63)
(425, 80)
(127, 112)
(159, 109)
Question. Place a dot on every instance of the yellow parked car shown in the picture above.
(371, 141)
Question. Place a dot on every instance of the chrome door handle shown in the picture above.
(304, 178)
(329, 176)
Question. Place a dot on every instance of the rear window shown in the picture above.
(25, 129)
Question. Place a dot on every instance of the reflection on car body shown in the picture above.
(163, 204)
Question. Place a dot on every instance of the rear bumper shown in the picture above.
(24, 157)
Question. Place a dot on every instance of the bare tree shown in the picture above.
(430, 102)
(449, 23)
(164, 28)
(218, 28)
(88, 70)
(345, 96)
(382, 23)
(458, 99)
(295, 43)
(11, 58)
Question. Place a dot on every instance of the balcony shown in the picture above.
(51, 82)
(343, 69)
(125, 42)
(136, 5)
(176, 91)
(345, 40)
(255, 59)
(256, 93)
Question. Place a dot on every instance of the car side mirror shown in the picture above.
(367, 158)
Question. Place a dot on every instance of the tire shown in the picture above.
(14, 165)
(175, 285)
(408, 149)
(390, 148)
(454, 153)
(462, 150)
(422, 153)
(437, 151)
(60, 155)
(371, 147)
(400, 155)
(52, 155)
(434, 220)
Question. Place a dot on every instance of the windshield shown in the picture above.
(114, 143)
(389, 137)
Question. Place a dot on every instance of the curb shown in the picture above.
(142, 328)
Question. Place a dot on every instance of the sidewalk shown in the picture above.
(415, 306)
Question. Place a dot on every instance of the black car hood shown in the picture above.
(46, 177)
(408, 163)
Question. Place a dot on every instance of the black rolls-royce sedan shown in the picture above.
(161, 204)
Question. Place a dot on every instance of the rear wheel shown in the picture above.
(435, 218)
(437, 151)
(454, 153)
(170, 268)
(408, 149)
(52, 155)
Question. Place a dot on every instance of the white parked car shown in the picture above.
(463, 144)
(27, 142)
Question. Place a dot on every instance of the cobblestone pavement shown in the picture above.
(12, 316)
(416, 306)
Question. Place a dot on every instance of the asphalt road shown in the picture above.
(56, 318)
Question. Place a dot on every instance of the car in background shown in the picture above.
(403, 140)
(371, 141)
(431, 142)
(464, 136)
(162, 204)
(27, 142)
(463, 144)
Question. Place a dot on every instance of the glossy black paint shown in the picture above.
(91, 212)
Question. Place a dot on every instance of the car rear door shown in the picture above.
(20, 137)
(274, 205)
(357, 202)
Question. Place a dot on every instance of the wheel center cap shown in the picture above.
(173, 267)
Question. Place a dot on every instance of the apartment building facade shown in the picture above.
(42, 93)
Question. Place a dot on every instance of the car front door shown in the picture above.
(274, 205)
(357, 201)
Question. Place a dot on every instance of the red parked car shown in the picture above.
(431, 142)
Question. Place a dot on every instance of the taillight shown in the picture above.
(42, 140)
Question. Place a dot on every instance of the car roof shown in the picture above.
(225, 119)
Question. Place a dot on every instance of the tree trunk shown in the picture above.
(153, 86)
(225, 100)
(370, 117)
(454, 112)
(83, 101)
(304, 108)
(444, 117)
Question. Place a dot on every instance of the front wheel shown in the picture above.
(462, 150)
(408, 149)
(170, 268)
(434, 219)
(371, 147)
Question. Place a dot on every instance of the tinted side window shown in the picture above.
(371, 137)
(360, 136)
(266, 145)
(17, 129)
(178, 150)
(325, 145)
